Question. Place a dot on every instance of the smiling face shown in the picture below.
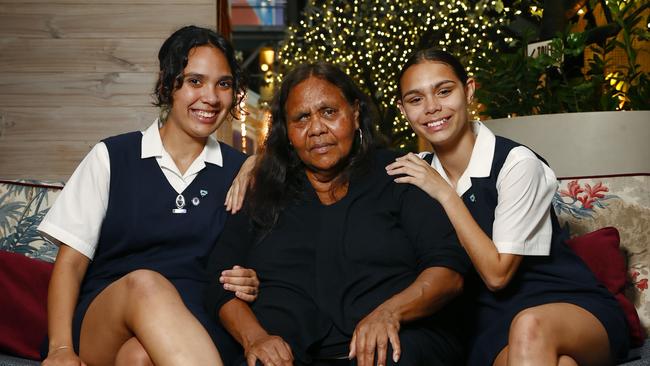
(321, 125)
(434, 101)
(205, 96)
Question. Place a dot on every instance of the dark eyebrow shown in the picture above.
(201, 76)
(435, 86)
(193, 75)
(297, 115)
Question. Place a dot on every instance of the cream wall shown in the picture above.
(75, 71)
(584, 144)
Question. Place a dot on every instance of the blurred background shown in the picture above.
(73, 72)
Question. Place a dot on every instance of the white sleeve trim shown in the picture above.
(538, 246)
(61, 236)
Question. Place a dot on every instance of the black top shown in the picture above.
(324, 268)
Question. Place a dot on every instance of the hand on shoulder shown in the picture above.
(410, 168)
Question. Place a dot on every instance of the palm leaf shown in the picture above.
(9, 212)
(26, 232)
(46, 252)
(17, 189)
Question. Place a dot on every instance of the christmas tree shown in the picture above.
(371, 40)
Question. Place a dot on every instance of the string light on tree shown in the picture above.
(242, 125)
(371, 40)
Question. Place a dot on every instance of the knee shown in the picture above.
(527, 331)
(132, 354)
(145, 283)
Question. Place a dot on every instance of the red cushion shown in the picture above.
(600, 251)
(23, 304)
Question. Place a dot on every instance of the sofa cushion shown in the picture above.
(23, 304)
(600, 251)
(623, 202)
(23, 204)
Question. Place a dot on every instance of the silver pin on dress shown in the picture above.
(180, 203)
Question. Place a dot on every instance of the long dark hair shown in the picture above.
(432, 55)
(173, 57)
(279, 173)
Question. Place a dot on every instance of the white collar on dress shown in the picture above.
(480, 163)
(152, 146)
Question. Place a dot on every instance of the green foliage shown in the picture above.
(635, 92)
(510, 83)
(371, 40)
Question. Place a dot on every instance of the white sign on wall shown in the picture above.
(538, 48)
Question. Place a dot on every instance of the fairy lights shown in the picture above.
(372, 40)
(242, 125)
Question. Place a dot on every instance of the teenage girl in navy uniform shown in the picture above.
(138, 218)
(538, 304)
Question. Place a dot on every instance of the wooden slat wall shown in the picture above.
(75, 71)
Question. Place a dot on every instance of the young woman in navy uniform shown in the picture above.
(138, 218)
(537, 303)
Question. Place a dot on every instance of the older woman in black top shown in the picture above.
(351, 264)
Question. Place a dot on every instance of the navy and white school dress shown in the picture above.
(141, 231)
(560, 276)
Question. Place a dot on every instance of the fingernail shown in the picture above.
(395, 357)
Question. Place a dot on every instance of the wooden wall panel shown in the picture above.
(19, 158)
(48, 143)
(88, 124)
(77, 89)
(114, 2)
(78, 55)
(75, 71)
(136, 21)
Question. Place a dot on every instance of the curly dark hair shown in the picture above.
(173, 56)
(279, 173)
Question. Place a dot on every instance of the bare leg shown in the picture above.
(132, 353)
(502, 359)
(145, 305)
(556, 334)
(567, 361)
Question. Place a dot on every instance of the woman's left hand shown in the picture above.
(371, 336)
(239, 185)
(418, 172)
(242, 281)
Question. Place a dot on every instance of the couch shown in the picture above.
(608, 217)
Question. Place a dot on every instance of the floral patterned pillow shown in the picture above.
(23, 204)
(623, 202)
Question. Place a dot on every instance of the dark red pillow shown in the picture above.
(23, 304)
(600, 251)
